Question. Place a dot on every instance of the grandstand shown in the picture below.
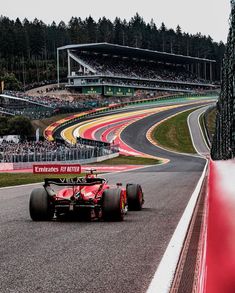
(114, 70)
(42, 106)
(14, 103)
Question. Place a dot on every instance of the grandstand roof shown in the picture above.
(107, 48)
(24, 100)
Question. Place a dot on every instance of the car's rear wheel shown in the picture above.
(135, 197)
(40, 208)
(113, 205)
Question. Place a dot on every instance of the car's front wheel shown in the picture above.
(40, 208)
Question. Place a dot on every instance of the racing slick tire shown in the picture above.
(135, 197)
(39, 205)
(113, 205)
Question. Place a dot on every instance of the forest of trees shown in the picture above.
(16, 125)
(28, 48)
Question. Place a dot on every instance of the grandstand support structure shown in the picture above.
(223, 146)
(98, 68)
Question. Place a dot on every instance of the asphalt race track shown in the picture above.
(198, 137)
(98, 256)
(139, 142)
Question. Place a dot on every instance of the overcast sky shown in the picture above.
(210, 17)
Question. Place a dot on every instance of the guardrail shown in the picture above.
(29, 165)
(94, 143)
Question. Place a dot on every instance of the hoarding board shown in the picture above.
(56, 169)
(92, 90)
(118, 91)
(108, 90)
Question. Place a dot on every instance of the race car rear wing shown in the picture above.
(77, 181)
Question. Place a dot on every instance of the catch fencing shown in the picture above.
(223, 146)
(59, 155)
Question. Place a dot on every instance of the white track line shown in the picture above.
(162, 280)
(190, 131)
(192, 138)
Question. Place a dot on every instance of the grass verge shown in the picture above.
(174, 134)
(11, 179)
(129, 160)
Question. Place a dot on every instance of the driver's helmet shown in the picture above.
(90, 173)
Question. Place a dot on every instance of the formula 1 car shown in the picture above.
(87, 197)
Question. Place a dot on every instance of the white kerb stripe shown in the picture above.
(162, 280)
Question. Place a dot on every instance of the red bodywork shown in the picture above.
(87, 193)
(82, 195)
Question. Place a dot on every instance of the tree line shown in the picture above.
(28, 48)
(17, 125)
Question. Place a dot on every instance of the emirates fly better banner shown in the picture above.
(57, 169)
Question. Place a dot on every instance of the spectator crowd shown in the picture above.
(47, 106)
(38, 107)
(31, 151)
(140, 69)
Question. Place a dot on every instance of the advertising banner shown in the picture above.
(108, 90)
(56, 169)
(129, 92)
(119, 91)
(92, 90)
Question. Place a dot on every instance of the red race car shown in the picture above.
(88, 197)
